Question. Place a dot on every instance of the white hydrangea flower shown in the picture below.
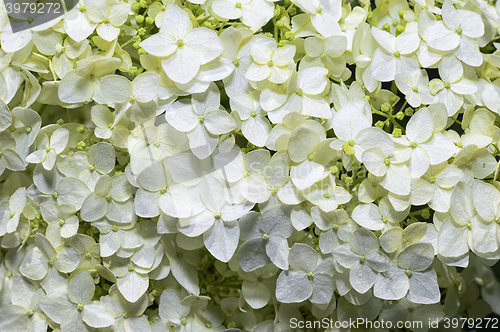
(202, 119)
(265, 235)
(458, 30)
(309, 277)
(252, 13)
(270, 62)
(48, 149)
(324, 15)
(184, 48)
(395, 56)
(363, 258)
(413, 275)
(24, 314)
(72, 307)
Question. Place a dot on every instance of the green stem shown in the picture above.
(127, 42)
(302, 27)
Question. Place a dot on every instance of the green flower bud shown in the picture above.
(136, 7)
(409, 111)
(397, 132)
(141, 51)
(386, 107)
(60, 122)
(276, 12)
(393, 99)
(380, 124)
(149, 20)
(139, 19)
(400, 115)
(386, 27)
(80, 129)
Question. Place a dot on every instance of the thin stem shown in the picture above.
(302, 27)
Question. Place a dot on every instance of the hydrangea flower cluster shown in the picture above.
(213, 165)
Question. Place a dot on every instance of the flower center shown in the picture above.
(447, 85)
(415, 89)
(180, 43)
(310, 275)
(30, 313)
(432, 179)
(270, 64)
(413, 145)
(114, 228)
(253, 114)
(79, 307)
(327, 195)
(362, 258)
(397, 54)
(299, 92)
(62, 222)
(238, 5)
(459, 31)
(217, 215)
(408, 272)
(265, 236)
(387, 162)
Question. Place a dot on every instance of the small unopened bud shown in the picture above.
(400, 115)
(139, 19)
(386, 107)
(409, 111)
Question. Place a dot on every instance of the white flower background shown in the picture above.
(214, 165)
